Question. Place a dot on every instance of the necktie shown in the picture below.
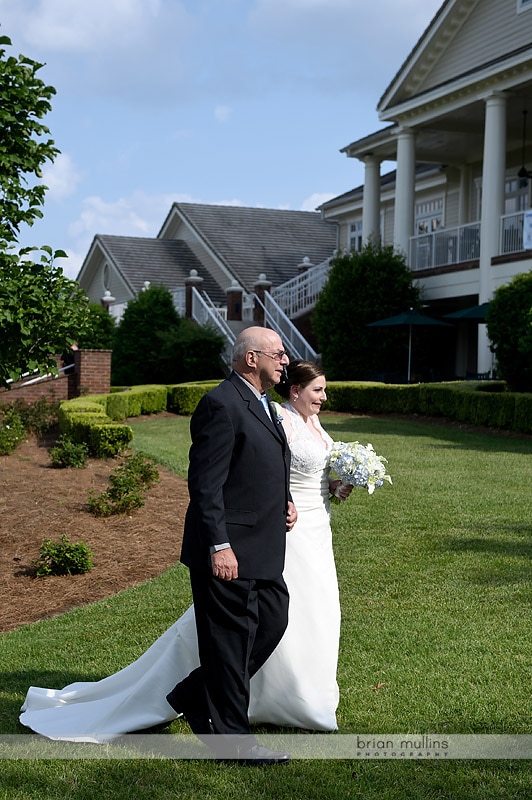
(264, 401)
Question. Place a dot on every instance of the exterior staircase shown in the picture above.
(276, 310)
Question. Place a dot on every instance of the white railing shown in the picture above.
(511, 233)
(293, 341)
(446, 246)
(180, 301)
(299, 294)
(21, 382)
(206, 314)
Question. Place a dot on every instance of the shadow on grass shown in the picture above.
(489, 441)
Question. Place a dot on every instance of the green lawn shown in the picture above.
(434, 576)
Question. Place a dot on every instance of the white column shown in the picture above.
(404, 190)
(493, 175)
(371, 209)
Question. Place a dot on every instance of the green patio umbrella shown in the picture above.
(409, 318)
(471, 314)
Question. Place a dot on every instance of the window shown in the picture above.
(106, 276)
(355, 236)
(429, 216)
(523, 5)
(516, 195)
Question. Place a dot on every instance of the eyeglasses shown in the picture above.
(278, 356)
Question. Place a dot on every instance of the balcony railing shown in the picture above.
(455, 245)
(446, 246)
(511, 233)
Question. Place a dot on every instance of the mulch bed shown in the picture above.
(38, 502)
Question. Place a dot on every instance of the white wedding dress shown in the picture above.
(296, 687)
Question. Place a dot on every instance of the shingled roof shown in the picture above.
(250, 241)
(162, 262)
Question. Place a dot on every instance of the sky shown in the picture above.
(240, 102)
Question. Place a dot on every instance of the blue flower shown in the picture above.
(358, 465)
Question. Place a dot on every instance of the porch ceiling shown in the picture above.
(454, 136)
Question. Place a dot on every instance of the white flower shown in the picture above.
(358, 465)
(277, 411)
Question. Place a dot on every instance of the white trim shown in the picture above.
(524, 5)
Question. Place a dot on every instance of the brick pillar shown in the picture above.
(260, 287)
(93, 371)
(234, 302)
(192, 280)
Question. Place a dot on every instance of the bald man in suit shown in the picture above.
(234, 545)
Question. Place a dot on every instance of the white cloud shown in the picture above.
(312, 202)
(62, 177)
(117, 48)
(137, 215)
(71, 265)
(82, 26)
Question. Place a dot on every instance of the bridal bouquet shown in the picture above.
(357, 465)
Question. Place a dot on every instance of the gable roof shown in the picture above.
(466, 42)
(165, 262)
(251, 241)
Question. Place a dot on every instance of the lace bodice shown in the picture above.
(309, 454)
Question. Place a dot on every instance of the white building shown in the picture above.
(460, 135)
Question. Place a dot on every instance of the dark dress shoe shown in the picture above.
(199, 723)
(257, 755)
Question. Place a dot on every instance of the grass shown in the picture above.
(434, 577)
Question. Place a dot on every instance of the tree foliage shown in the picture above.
(24, 146)
(362, 288)
(153, 344)
(99, 331)
(509, 326)
(41, 311)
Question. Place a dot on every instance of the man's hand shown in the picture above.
(291, 516)
(224, 564)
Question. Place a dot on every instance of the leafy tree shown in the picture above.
(153, 344)
(41, 311)
(99, 331)
(191, 353)
(509, 326)
(24, 101)
(362, 288)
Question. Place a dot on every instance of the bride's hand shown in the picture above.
(341, 490)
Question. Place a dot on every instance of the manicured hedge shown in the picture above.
(184, 397)
(88, 423)
(93, 419)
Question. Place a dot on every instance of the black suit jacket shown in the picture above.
(238, 482)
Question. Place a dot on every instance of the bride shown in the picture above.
(297, 686)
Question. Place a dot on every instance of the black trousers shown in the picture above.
(239, 624)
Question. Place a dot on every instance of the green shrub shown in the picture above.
(68, 453)
(63, 558)
(11, 431)
(154, 345)
(363, 287)
(184, 397)
(37, 417)
(127, 485)
(108, 439)
(509, 326)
